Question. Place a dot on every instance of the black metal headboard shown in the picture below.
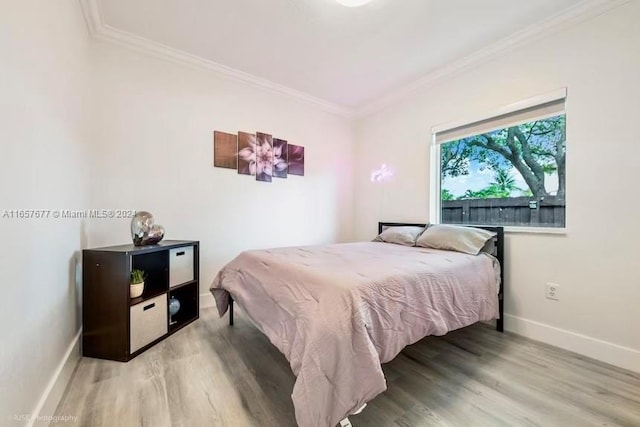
(499, 243)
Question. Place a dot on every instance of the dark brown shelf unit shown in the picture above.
(183, 285)
(146, 295)
(156, 267)
(117, 327)
(188, 297)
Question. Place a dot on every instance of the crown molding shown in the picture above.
(581, 12)
(571, 16)
(101, 31)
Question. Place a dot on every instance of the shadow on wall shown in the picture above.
(75, 274)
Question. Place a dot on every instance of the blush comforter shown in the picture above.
(338, 311)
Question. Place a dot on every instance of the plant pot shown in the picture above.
(135, 290)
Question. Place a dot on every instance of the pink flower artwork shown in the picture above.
(264, 157)
(246, 153)
(280, 163)
(295, 159)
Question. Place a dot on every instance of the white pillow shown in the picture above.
(467, 240)
(402, 235)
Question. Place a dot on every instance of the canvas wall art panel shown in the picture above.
(246, 153)
(295, 158)
(280, 163)
(225, 149)
(264, 157)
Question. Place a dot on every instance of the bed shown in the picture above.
(337, 312)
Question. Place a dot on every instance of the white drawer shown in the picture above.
(180, 265)
(148, 321)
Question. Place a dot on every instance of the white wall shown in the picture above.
(93, 125)
(153, 150)
(116, 129)
(43, 165)
(595, 263)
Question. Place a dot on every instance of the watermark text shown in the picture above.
(43, 418)
(66, 213)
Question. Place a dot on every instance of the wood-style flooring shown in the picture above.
(211, 374)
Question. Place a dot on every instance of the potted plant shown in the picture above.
(137, 283)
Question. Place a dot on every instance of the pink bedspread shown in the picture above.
(338, 311)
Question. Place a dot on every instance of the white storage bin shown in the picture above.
(148, 321)
(180, 265)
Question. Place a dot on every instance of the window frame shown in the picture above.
(435, 198)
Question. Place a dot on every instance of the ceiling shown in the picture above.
(347, 56)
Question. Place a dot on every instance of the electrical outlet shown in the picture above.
(553, 291)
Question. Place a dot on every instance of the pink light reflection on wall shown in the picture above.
(382, 174)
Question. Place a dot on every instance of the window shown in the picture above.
(508, 169)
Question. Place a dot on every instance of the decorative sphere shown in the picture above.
(174, 306)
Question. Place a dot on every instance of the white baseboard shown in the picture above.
(207, 300)
(607, 352)
(46, 407)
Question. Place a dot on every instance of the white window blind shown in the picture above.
(543, 107)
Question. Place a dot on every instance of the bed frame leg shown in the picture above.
(500, 321)
(230, 311)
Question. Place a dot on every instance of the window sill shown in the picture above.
(535, 230)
